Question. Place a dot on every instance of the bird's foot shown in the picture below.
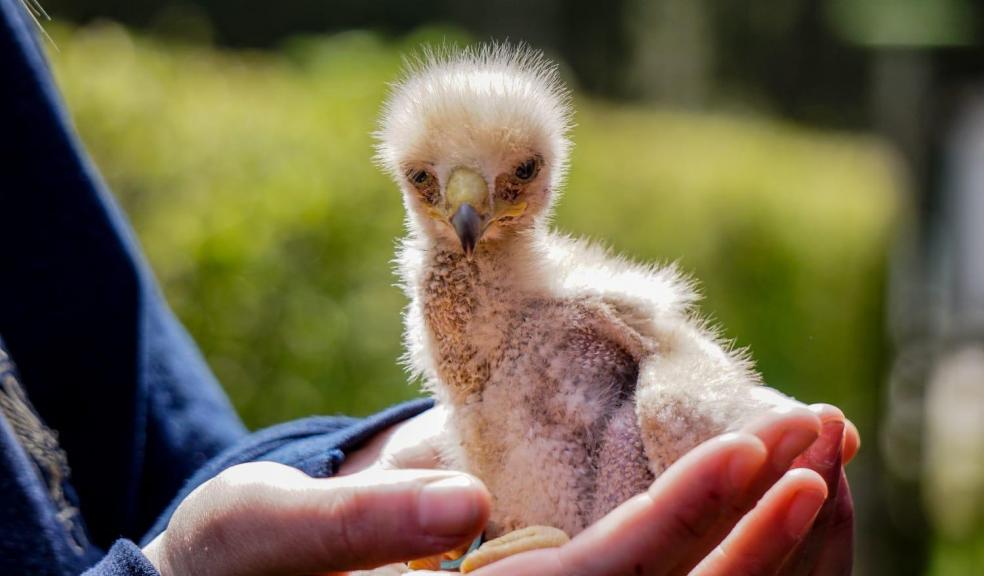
(469, 558)
(523, 540)
(438, 561)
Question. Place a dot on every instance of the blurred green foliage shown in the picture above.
(249, 182)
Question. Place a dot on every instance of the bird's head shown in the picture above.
(477, 141)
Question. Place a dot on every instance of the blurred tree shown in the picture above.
(927, 62)
(770, 56)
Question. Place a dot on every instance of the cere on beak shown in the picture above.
(467, 194)
(468, 225)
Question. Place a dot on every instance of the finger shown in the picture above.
(787, 431)
(824, 457)
(418, 443)
(836, 556)
(852, 438)
(268, 518)
(771, 397)
(654, 531)
(766, 536)
(414, 443)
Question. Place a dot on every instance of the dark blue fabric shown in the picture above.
(101, 357)
(124, 559)
(32, 538)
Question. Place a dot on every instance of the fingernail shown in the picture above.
(791, 445)
(448, 507)
(802, 511)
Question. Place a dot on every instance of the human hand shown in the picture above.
(278, 521)
(266, 518)
(763, 541)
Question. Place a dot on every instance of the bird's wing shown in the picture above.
(645, 297)
(657, 302)
(691, 384)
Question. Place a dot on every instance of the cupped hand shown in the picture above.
(794, 515)
(769, 499)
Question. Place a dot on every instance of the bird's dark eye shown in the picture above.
(419, 176)
(426, 185)
(527, 170)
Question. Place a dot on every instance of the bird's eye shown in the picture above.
(527, 170)
(425, 184)
(419, 177)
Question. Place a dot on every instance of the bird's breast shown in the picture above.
(535, 384)
(463, 312)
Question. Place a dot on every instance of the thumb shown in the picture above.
(265, 518)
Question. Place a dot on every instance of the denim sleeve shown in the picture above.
(100, 355)
(123, 559)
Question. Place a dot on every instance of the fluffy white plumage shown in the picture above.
(572, 376)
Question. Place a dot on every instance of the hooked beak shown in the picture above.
(468, 225)
(467, 194)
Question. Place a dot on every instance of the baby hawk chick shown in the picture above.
(572, 377)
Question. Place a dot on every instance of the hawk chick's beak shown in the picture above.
(468, 225)
(467, 195)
